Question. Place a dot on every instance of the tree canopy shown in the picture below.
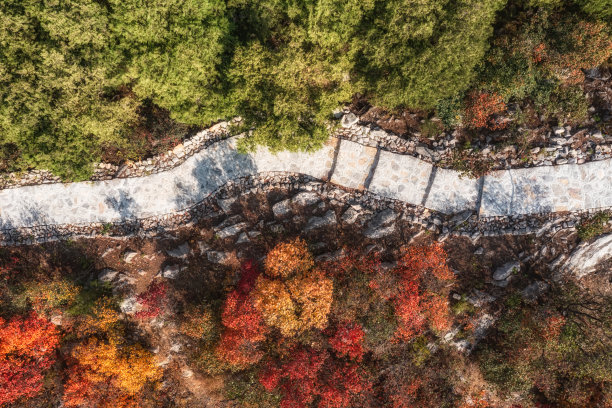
(77, 76)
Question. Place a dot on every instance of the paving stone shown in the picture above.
(353, 164)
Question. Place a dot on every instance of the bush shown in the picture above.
(593, 226)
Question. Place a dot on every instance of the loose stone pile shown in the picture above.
(565, 146)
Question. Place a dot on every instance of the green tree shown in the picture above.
(57, 108)
(174, 51)
(419, 52)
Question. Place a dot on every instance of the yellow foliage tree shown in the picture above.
(274, 302)
(288, 259)
(313, 293)
(128, 369)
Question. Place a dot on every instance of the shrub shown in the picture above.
(593, 226)
(153, 300)
(483, 110)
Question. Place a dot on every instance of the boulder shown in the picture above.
(171, 271)
(305, 198)
(282, 208)
(381, 225)
(217, 257)
(503, 272)
(107, 275)
(352, 215)
(243, 238)
(129, 256)
(328, 219)
(586, 258)
(349, 120)
(180, 252)
(231, 230)
(532, 292)
(226, 204)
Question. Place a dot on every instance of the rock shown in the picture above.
(349, 120)
(532, 292)
(129, 305)
(328, 219)
(180, 252)
(481, 326)
(588, 255)
(461, 217)
(330, 256)
(231, 230)
(479, 298)
(187, 373)
(376, 233)
(305, 198)
(217, 257)
(503, 272)
(226, 204)
(479, 251)
(107, 275)
(107, 252)
(171, 271)
(427, 152)
(253, 234)
(559, 130)
(243, 238)
(129, 256)
(203, 246)
(282, 208)
(353, 213)
(379, 226)
(57, 320)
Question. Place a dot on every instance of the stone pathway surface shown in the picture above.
(346, 163)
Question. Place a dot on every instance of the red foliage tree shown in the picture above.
(310, 374)
(411, 307)
(348, 341)
(244, 325)
(27, 348)
(152, 300)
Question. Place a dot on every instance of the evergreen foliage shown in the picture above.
(76, 76)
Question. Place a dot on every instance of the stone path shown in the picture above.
(346, 163)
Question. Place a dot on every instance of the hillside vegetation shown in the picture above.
(85, 80)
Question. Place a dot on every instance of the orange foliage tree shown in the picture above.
(586, 45)
(413, 308)
(292, 296)
(104, 371)
(27, 350)
(348, 341)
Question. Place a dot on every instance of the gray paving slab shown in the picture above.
(401, 177)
